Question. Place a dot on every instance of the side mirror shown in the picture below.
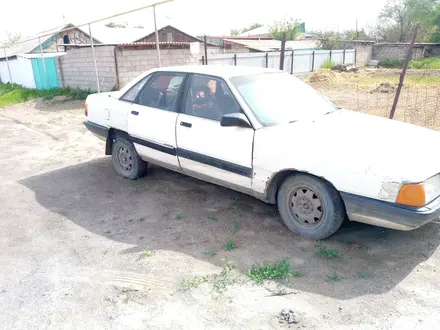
(235, 119)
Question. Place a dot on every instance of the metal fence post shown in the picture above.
(206, 50)
(94, 60)
(405, 67)
(355, 56)
(235, 59)
(291, 62)
(343, 57)
(267, 60)
(330, 55)
(203, 59)
(283, 50)
(313, 61)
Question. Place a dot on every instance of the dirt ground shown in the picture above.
(85, 249)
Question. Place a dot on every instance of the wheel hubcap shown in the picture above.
(306, 207)
(125, 159)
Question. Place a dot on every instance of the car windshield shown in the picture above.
(277, 98)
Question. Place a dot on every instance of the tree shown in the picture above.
(290, 26)
(435, 20)
(398, 16)
(328, 39)
(236, 32)
(11, 38)
(115, 25)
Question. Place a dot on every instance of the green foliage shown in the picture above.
(266, 271)
(235, 227)
(364, 274)
(426, 63)
(391, 63)
(13, 94)
(291, 26)
(297, 274)
(116, 25)
(146, 254)
(212, 217)
(328, 64)
(236, 32)
(230, 245)
(237, 209)
(225, 278)
(334, 277)
(326, 252)
(179, 216)
(193, 282)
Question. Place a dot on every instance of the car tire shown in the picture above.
(126, 160)
(310, 207)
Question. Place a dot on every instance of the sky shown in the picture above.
(197, 17)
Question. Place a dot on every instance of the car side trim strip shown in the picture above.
(153, 145)
(215, 162)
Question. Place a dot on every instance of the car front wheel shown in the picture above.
(310, 207)
(126, 160)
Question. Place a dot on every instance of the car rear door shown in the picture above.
(152, 118)
(205, 149)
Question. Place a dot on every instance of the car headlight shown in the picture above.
(419, 194)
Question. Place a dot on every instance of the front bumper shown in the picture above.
(389, 215)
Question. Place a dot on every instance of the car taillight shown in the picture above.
(86, 110)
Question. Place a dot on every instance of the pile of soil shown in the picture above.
(323, 76)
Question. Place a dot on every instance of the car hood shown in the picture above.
(353, 142)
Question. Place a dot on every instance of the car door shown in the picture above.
(152, 118)
(205, 149)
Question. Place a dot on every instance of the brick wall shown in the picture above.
(396, 51)
(76, 69)
(132, 63)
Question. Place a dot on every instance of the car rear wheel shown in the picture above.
(310, 207)
(126, 160)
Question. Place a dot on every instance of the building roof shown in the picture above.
(23, 48)
(259, 31)
(117, 36)
(274, 45)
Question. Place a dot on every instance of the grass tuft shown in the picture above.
(327, 64)
(230, 245)
(13, 94)
(193, 282)
(326, 252)
(334, 277)
(261, 272)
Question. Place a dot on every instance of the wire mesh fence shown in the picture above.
(373, 91)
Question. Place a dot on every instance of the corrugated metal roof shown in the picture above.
(116, 36)
(45, 55)
(274, 45)
(23, 48)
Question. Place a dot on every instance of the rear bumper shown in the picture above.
(389, 215)
(98, 130)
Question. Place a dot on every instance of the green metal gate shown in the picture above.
(51, 71)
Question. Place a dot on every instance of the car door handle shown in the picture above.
(184, 123)
(135, 113)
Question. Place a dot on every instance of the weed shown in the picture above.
(177, 238)
(141, 219)
(210, 253)
(230, 245)
(212, 217)
(426, 63)
(237, 210)
(328, 64)
(266, 271)
(193, 282)
(169, 227)
(235, 227)
(334, 277)
(297, 274)
(364, 274)
(224, 279)
(391, 63)
(179, 216)
(326, 252)
(146, 254)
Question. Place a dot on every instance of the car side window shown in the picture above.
(132, 93)
(161, 91)
(209, 97)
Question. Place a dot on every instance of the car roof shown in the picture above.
(225, 71)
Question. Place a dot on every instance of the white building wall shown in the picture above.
(21, 72)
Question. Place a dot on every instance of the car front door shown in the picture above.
(206, 149)
(152, 118)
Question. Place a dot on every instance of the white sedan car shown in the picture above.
(267, 134)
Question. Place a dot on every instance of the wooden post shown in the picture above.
(405, 67)
(206, 50)
(203, 59)
(267, 60)
(291, 63)
(283, 49)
